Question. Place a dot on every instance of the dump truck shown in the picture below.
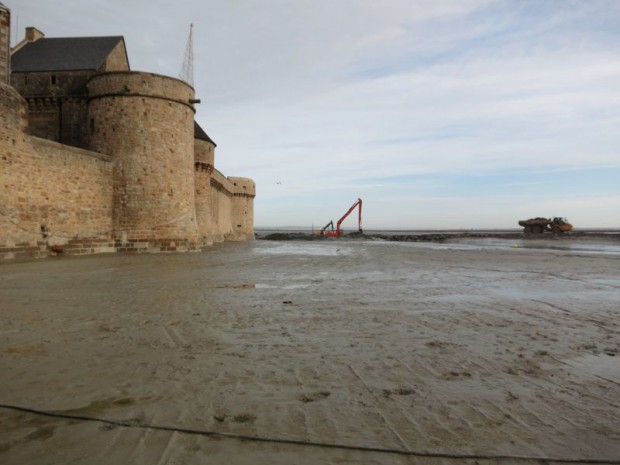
(556, 225)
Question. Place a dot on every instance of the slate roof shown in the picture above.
(64, 54)
(199, 133)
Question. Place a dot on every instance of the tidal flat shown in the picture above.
(326, 352)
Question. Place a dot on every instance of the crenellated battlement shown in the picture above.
(244, 187)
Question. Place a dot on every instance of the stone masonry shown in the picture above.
(5, 45)
(107, 160)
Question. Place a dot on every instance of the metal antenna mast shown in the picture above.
(187, 70)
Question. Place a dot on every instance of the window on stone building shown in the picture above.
(92, 125)
(53, 79)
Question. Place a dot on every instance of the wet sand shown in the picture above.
(273, 352)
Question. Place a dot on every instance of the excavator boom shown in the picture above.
(338, 232)
(331, 223)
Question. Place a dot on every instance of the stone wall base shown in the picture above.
(87, 246)
(157, 245)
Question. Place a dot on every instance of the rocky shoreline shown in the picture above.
(444, 236)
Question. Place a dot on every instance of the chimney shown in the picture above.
(33, 34)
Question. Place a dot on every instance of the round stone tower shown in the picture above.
(146, 123)
(5, 44)
(243, 207)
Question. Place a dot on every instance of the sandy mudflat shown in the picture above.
(388, 351)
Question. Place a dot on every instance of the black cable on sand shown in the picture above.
(294, 442)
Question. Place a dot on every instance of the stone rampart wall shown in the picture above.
(232, 207)
(221, 207)
(53, 198)
(203, 165)
(224, 206)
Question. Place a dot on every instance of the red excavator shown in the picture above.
(338, 232)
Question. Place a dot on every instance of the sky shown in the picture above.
(439, 114)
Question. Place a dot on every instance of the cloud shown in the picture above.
(394, 101)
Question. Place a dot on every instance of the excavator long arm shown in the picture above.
(358, 203)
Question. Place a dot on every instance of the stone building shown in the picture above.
(99, 158)
(52, 74)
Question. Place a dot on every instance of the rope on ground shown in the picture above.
(242, 437)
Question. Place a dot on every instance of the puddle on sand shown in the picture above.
(606, 366)
(287, 286)
(329, 250)
(238, 286)
(246, 286)
(576, 247)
